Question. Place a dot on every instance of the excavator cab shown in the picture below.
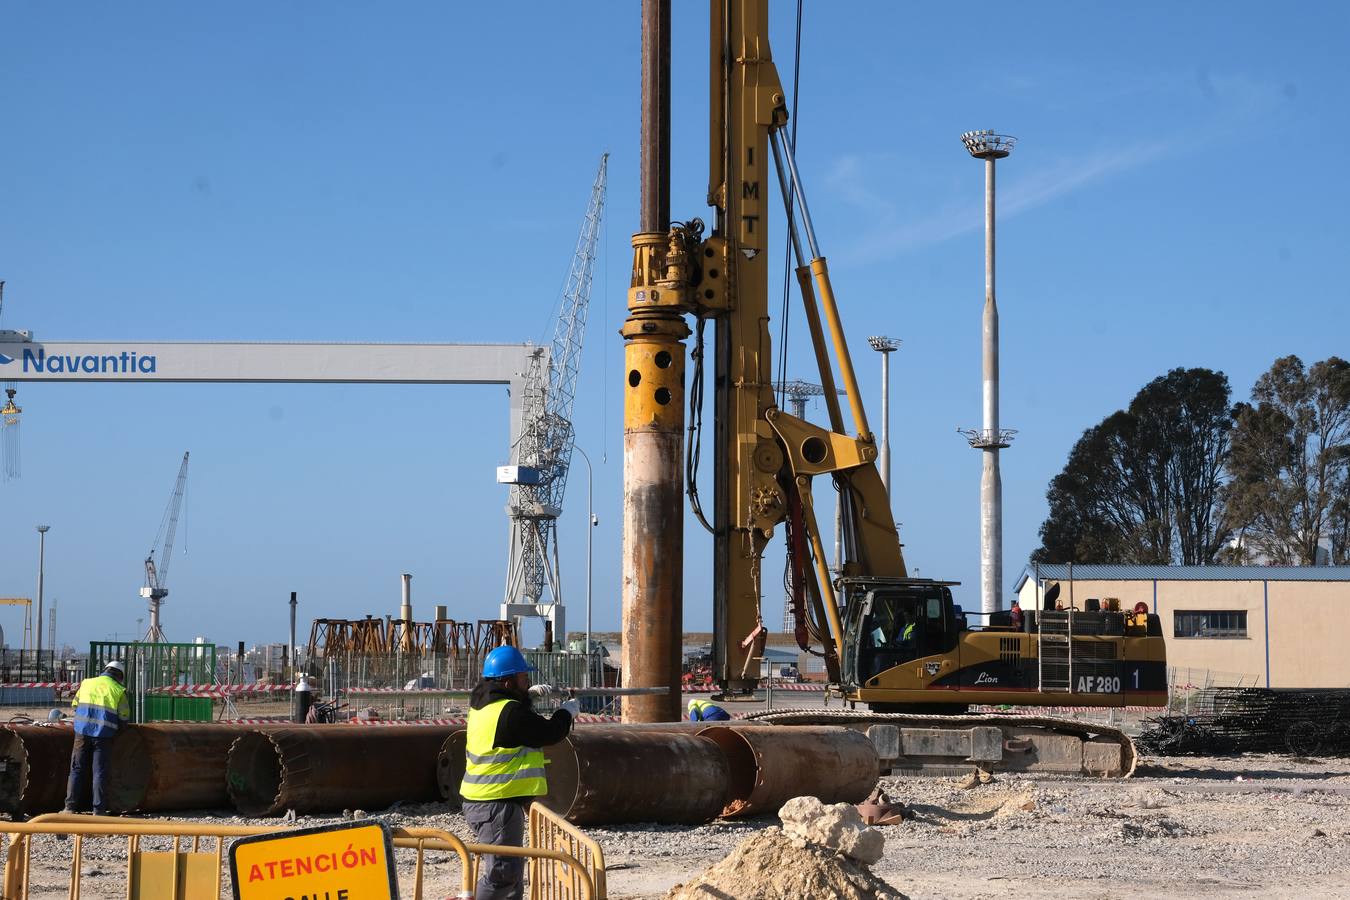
(892, 621)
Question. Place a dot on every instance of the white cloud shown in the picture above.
(1238, 101)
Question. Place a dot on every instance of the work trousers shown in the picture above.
(90, 760)
(498, 822)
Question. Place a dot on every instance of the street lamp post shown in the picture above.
(885, 346)
(592, 522)
(42, 564)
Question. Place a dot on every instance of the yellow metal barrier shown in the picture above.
(183, 874)
(550, 881)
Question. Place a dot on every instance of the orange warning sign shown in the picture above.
(350, 861)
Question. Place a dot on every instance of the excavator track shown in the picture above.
(910, 743)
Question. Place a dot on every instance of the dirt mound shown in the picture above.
(772, 866)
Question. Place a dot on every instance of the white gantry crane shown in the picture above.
(539, 476)
(157, 573)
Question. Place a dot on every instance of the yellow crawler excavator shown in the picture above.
(896, 644)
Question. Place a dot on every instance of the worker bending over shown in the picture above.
(707, 711)
(100, 711)
(503, 765)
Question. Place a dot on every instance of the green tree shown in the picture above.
(1145, 485)
(1291, 463)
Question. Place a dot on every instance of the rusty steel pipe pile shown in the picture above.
(316, 769)
(771, 764)
(688, 773)
(158, 768)
(608, 776)
(34, 768)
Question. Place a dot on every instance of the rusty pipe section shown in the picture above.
(314, 770)
(157, 768)
(615, 775)
(34, 768)
(771, 764)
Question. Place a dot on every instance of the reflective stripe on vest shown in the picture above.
(699, 708)
(498, 773)
(100, 707)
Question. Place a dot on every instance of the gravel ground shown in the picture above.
(1256, 826)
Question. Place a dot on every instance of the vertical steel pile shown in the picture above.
(653, 457)
(34, 768)
(326, 769)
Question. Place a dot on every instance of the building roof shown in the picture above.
(1060, 572)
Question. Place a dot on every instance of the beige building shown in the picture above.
(1273, 626)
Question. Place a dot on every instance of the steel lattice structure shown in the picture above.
(545, 448)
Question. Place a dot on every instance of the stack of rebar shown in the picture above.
(1305, 722)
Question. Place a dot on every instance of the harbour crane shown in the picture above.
(544, 453)
(157, 573)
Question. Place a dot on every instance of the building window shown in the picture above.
(1228, 623)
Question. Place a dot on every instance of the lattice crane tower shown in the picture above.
(544, 452)
(157, 573)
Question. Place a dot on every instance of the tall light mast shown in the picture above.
(544, 453)
(992, 438)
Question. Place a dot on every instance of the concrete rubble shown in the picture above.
(837, 826)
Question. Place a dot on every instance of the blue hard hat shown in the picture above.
(505, 661)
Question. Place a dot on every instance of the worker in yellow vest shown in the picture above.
(707, 711)
(101, 710)
(503, 765)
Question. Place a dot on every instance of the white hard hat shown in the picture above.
(116, 666)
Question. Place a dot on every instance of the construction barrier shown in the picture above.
(186, 874)
(551, 879)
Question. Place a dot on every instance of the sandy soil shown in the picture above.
(1258, 826)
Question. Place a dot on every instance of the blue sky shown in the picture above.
(297, 172)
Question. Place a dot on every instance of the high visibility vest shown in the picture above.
(100, 707)
(908, 633)
(498, 773)
(699, 710)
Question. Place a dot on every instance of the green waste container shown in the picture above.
(193, 709)
(157, 708)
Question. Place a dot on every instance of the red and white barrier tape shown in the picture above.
(220, 690)
(58, 685)
(794, 686)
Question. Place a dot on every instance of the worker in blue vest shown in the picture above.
(707, 711)
(101, 710)
(503, 765)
